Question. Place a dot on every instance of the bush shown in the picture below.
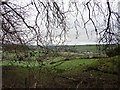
(105, 65)
(113, 52)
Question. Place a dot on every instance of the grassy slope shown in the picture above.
(73, 73)
(80, 48)
(61, 73)
(56, 64)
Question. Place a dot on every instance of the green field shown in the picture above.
(77, 48)
(64, 69)
(68, 73)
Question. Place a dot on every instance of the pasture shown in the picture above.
(64, 69)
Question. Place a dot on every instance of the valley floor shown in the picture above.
(76, 73)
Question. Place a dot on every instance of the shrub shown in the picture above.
(113, 52)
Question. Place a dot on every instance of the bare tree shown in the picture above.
(45, 22)
(49, 23)
(48, 17)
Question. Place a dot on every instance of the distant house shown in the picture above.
(88, 53)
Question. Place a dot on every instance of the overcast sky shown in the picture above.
(82, 36)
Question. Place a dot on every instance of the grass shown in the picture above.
(48, 72)
(61, 71)
(102, 72)
(78, 48)
(59, 66)
(71, 66)
(106, 65)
